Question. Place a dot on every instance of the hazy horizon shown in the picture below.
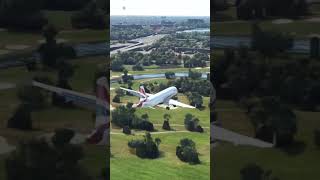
(192, 8)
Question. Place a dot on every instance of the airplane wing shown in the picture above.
(135, 93)
(177, 103)
(222, 134)
(80, 98)
(100, 102)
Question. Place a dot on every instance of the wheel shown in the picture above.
(168, 108)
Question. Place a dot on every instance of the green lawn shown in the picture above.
(168, 166)
(61, 19)
(298, 28)
(229, 159)
(48, 119)
(126, 166)
(156, 116)
(156, 70)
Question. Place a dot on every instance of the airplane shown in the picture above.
(100, 102)
(161, 98)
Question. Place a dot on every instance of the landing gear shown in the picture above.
(168, 108)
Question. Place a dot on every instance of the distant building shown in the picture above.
(128, 26)
(167, 23)
(195, 21)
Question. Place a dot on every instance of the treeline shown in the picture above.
(160, 57)
(251, 9)
(118, 33)
(294, 81)
(28, 15)
(269, 83)
(185, 40)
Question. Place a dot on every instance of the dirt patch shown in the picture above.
(59, 40)
(282, 21)
(16, 47)
(77, 139)
(5, 147)
(3, 51)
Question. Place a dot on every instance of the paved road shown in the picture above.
(141, 42)
(220, 42)
(4, 86)
(219, 133)
(5, 147)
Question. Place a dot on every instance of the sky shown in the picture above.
(160, 7)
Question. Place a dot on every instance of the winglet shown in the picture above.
(141, 90)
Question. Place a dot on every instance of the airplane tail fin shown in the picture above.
(100, 135)
(141, 90)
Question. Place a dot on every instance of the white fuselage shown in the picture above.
(161, 97)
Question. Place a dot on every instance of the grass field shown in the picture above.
(61, 20)
(299, 28)
(229, 159)
(126, 166)
(156, 70)
(50, 118)
(168, 166)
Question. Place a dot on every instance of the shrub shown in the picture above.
(126, 130)
(146, 148)
(21, 118)
(192, 123)
(166, 125)
(33, 96)
(170, 75)
(116, 99)
(187, 152)
(29, 17)
(137, 67)
(90, 17)
(37, 159)
(125, 116)
(317, 137)
(145, 125)
(62, 137)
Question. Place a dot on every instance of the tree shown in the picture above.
(62, 137)
(21, 118)
(137, 67)
(219, 5)
(157, 141)
(32, 96)
(195, 99)
(119, 92)
(124, 116)
(37, 159)
(270, 43)
(192, 123)
(146, 148)
(272, 119)
(144, 125)
(126, 130)
(166, 124)
(90, 16)
(255, 172)
(186, 151)
(29, 18)
(317, 137)
(145, 117)
(116, 99)
(71, 5)
(170, 75)
(50, 52)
